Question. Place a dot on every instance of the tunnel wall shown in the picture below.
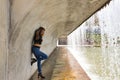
(59, 17)
(4, 25)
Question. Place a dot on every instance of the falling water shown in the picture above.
(96, 43)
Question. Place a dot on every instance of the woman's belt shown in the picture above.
(36, 46)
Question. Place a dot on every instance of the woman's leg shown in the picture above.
(36, 52)
(33, 60)
(40, 56)
(43, 55)
(39, 68)
(39, 65)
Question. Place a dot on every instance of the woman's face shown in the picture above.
(42, 32)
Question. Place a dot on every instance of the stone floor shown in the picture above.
(62, 66)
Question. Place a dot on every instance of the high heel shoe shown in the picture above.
(33, 60)
(40, 75)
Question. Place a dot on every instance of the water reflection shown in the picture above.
(97, 42)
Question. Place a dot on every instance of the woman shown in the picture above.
(37, 41)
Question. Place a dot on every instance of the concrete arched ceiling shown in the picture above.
(69, 14)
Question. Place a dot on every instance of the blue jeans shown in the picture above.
(39, 56)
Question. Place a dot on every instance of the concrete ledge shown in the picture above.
(67, 68)
(61, 65)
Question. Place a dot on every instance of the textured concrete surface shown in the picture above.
(4, 25)
(65, 67)
(59, 17)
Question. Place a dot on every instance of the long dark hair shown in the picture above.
(41, 28)
(38, 32)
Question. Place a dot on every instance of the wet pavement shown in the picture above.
(61, 65)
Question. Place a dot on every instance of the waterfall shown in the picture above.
(98, 41)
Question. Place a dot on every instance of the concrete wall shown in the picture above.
(59, 17)
(4, 25)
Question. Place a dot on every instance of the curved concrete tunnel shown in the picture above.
(19, 19)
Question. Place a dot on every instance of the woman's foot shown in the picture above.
(40, 75)
(33, 60)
